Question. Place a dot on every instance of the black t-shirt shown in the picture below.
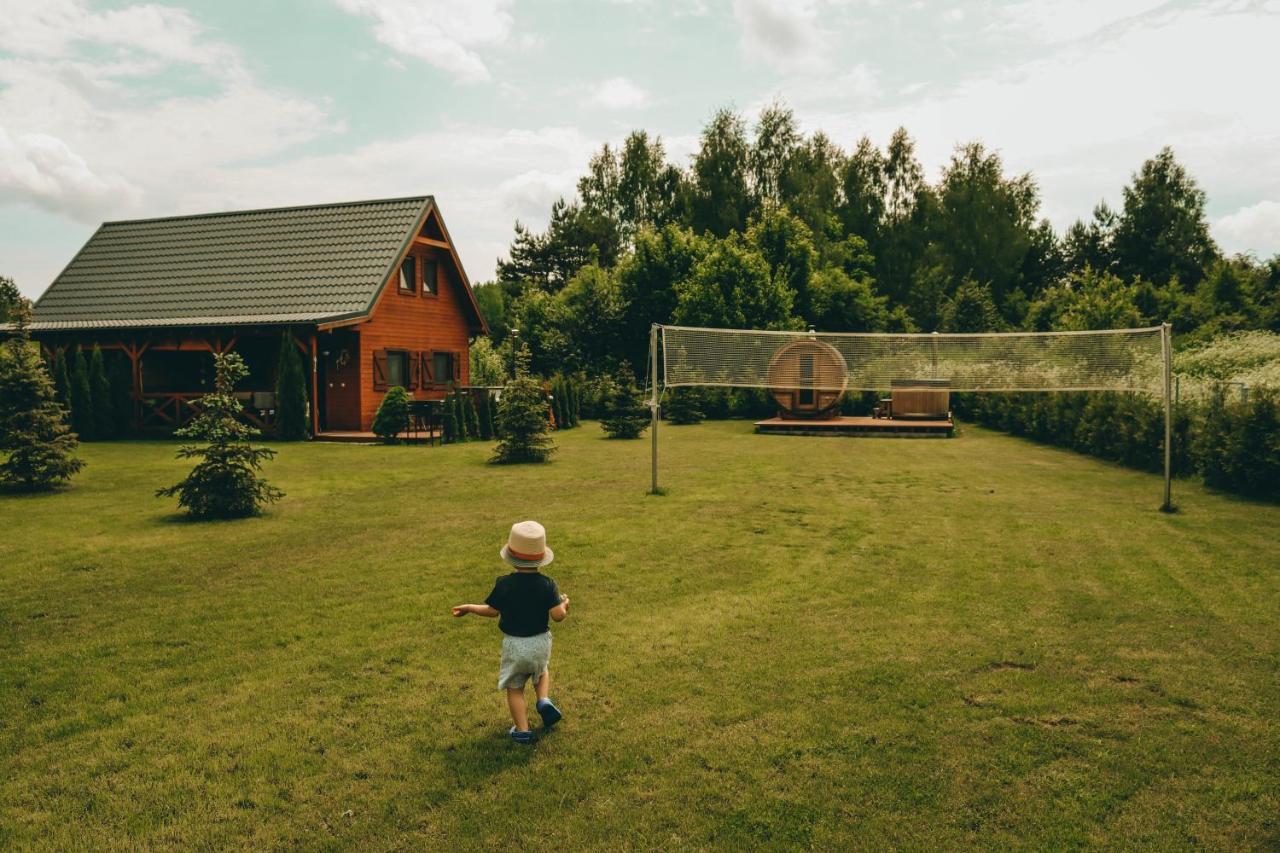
(523, 599)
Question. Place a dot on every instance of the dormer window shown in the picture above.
(409, 275)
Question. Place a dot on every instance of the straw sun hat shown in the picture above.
(526, 546)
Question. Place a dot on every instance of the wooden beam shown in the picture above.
(315, 385)
(430, 241)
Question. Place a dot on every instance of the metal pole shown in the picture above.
(1166, 346)
(653, 403)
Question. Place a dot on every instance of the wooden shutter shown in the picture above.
(414, 367)
(380, 370)
(424, 368)
(457, 366)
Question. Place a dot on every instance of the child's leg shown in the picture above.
(519, 713)
(543, 685)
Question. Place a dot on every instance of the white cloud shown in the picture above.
(1064, 21)
(447, 34)
(618, 93)
(1255, 229)
(786, 33)
(45, 170)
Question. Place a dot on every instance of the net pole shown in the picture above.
(653, 405)
(1166, 349)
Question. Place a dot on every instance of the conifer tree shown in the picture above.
(292, 409)
(625, 413)
(35, 444)
(62, 381)
(523, 433)
(120, 377)
(486, 417)
(225, 483)
(473, 417)
(393, 414)
(450, 418)
(101, 404)
(81, 397)
(684, 406)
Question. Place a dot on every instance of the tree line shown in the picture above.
(768, 228)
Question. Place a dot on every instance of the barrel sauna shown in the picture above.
(807, 379)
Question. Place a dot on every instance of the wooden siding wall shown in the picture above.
(415, 322)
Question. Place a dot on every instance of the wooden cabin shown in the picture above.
(372, 292)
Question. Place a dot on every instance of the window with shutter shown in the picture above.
(397, 372)
(441, 367)
(429, 280)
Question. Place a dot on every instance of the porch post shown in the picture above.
(315, 386)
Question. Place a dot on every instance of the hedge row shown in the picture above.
(1233, 443)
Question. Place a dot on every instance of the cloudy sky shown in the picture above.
(123, 109)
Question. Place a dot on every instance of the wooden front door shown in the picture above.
(340, 380)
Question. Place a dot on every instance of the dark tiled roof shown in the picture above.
(285, 265)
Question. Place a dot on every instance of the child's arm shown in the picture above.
(561, 610)
(475, 609)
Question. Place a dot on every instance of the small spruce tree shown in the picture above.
(393, 415)
(575, 401)
(625, 413)
(225, 482)
(684, 406)
(521, 423)
(81, 397)
(291, 392)
(104, 417)
(35, 444)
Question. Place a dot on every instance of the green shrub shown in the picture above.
(625, 414)
(35, 442)
(392, 416)
(102, 411)
(225, 483)
(292, 410)
(450, 417)
(81, 397)
(684, 406)
(522, 429)
(472, 416)
(486, 416)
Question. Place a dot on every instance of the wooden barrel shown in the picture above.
(807, 379)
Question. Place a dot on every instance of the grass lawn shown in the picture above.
(806, 642)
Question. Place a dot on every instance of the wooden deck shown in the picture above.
(883, 427)
(358, 437)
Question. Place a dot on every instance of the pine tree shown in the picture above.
(104, 419)
(81, 397)
(225, 483)
(393, 414)
(292, 409)
(33, 428)
(557, 404)
(684, 406)
(523, 433)
(625, 413)
(120, 376)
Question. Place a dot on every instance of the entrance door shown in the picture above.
(806, 398)
(339, 381)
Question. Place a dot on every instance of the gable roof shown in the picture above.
(312, 264)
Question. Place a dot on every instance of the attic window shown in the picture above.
(429, 281)
(409, 275)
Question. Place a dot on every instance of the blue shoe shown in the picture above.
(549, 712)
(520, 737)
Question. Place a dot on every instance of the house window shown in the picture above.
(441, 367)
(409, 275)
(397, 369)
(429, 277)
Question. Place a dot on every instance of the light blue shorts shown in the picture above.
(523, 658)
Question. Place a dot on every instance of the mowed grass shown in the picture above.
(808, 642)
